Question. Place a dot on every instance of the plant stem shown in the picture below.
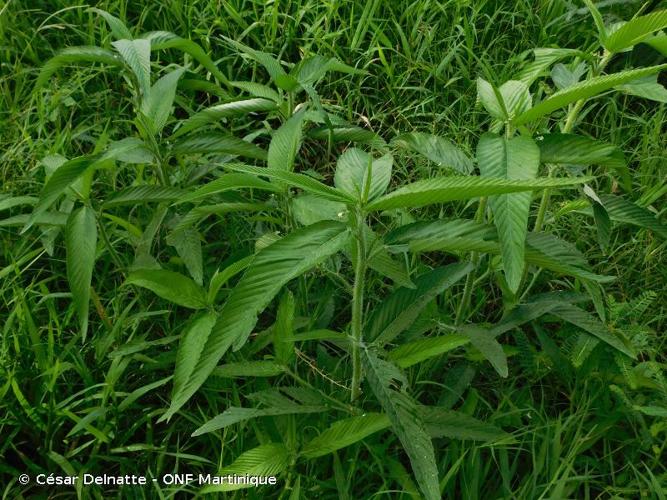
(357, 308)
(474, 258)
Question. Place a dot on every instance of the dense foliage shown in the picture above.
(372, 248)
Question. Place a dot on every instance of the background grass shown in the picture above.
(64, 406)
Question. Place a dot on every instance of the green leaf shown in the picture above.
(488, 346)
(580, 150)
(309, 209)
(398, 311)
(118, 28)
(283, 329)
(345, 433)
(81, 243)
(544, 58)
(301, 181)
(190, 347)
(270, 63)
(347, 133)
(636, 30)
(585, 321)
(599, 22)
(218, 112)
(625, 211)
(647, 88)
(584, 90)
(406, 422)
(212, 142)
(160, 40)
(271, 269)
(75, 55)
(437, 149)
(227, 182)
(285, 143)
(381, 261)
(258, 90)
(137, 56)
(510, 159)
(417, 351)
(187, 242)
(171, 286)
(220, 278)
(658, 42)
(442, 422)
(443, 189)
(511, 99)
(312, 69)
(156, 105)
(249, 369)
(135, 195)
(361, 176)
(266, 460)
(129, 150)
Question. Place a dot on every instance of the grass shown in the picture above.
(70, 406)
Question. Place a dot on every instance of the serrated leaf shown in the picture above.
(171, 286)
(511, 99)
(129, 150)
(160, 40)
(156, 105)
(401, 309)
(658, 42)
(420, 350)
(510, 159)
(283, 329)
(212, 142)
(81, 243)
(443, 422)
(437, 149)
(258, 90)
(135, 195)
(622, 210)
(544, 58)
(647, 88)
(270, 63)
(225, 110)
(285, 143)
(271, 269)
(227, 182)
(406, 422)
(362, 176)
(309, 209)
(137, 56)
(118, 28)
(483, 339)
(584, 90)
(443, 189)
(221, 277)
(187, 242)
(636, 30)
(301, 181)
(344, 433)
(190, 347)
(249, 369)
(76, 55)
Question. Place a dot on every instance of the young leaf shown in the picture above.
(636, 30)
(160, 40)
(76, 55)
(81, 243)
(362, 176)
(401, 309)
(510, 159)
(171, 286)
(285, 143)
(509, 100)
(405, 421)
(225, 110)
(437, 149)
(301, 181)
(345, 433)
(599, 22)
(137, 56)
(271, 269)
(584, 90)
(156, 105)
(442, 189)
(117, 27)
